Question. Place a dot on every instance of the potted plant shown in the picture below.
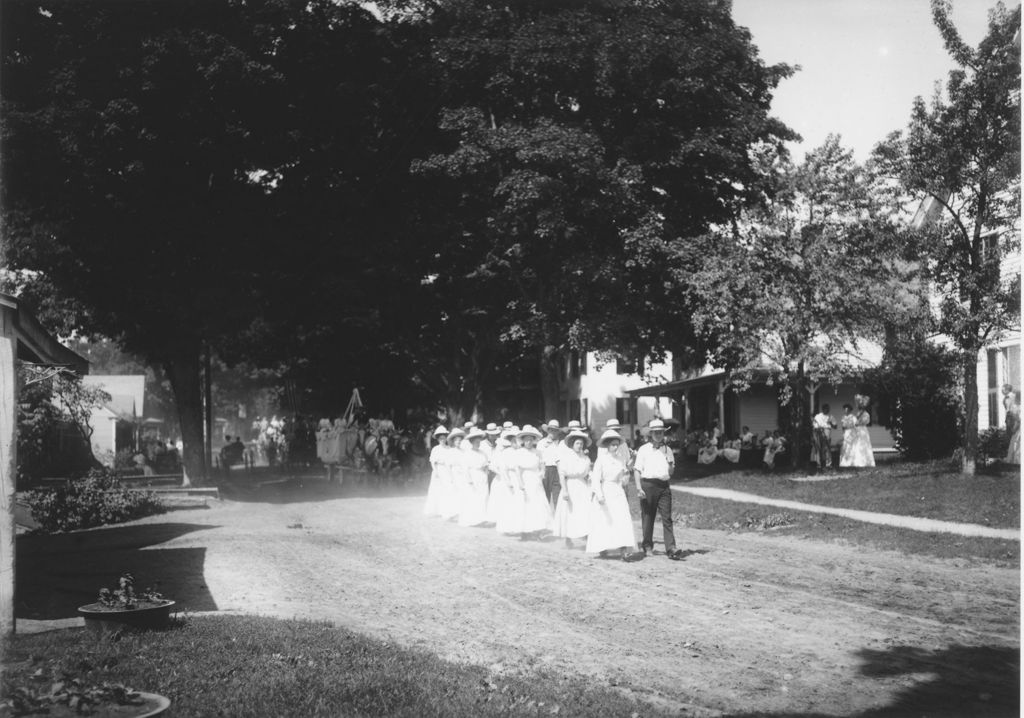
(71, 697)
(125, 608)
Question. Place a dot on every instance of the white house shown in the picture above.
(115, 425)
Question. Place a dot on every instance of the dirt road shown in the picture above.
(748, 624)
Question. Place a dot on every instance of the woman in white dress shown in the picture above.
(436, 488)
(498, 496)
(572, 514)
(453, 469)
(611, 525)
(847, 423)
(861, 453)
(474, 497)
(1011, 402)
(527, 471)
(509, 513)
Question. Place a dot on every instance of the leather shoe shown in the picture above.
(676, 555)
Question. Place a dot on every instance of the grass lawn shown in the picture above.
(927, 490)
(254, 666)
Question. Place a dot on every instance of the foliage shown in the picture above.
(125, 597)
(48, 403)
(564, 171)
(962, 154)
(917, 393)
(993, 444)
(71, 692)
(792, 295)
(96, 500)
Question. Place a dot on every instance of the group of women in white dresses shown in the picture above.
(499, 484)
(856, 450)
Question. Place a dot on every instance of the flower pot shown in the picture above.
(152, 704)
(146, 616)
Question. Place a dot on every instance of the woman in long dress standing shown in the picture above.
(436, 490)
(508, 515)
(572, 514)
(528, 478)
(611, 525)
(474, 500)
(454, 468)
(847, 423)
(497, 496)
(1011, 401)
(862, 454)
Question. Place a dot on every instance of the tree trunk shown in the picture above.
(184, 372)
(549, 383)
(970, 419)
(798, 424)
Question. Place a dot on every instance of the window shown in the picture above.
(583, 364)
(629, 366)
(585, 413)
(574, 408)
(574, 364)
(994, 390)
(625, 410)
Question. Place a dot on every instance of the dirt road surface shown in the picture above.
(748, 624)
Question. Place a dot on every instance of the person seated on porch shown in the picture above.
(708, 451)
(747, 438)
(731, 450)
(774, 445)
(716, 433)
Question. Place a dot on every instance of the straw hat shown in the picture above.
(609, 435)
(493, 429)
(456, 432)
(613, 424)
(574, 425)
(475, 433)
(440, 431)
(528, 430)
(577, 434)
(656, 425)
(552, 426)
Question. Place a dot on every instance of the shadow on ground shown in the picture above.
(953, 682)
(56, 573)
(303, 487)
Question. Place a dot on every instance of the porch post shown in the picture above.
(721, 406)
(8, 467)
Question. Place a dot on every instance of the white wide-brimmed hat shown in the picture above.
(492, 428)
(440, 431)
(475, 433)
(656, 425)
(529, 431)
(456, 432)
(552, 425)
(609, 435)
(612, 424)
(574, 425)
(577, 434)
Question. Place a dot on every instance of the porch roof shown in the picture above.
(677, 386)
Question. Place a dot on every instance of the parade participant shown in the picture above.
(527, 472)
(821, 438)
(473, 507)
(437, 488)
(652, 470)
(455, 469)
(626, 455)
(848, 422)
(572, 514)
(861, 453)
(497, 493)
(610, 526)
(550, 448)
(508, 514)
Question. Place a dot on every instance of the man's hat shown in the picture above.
(609, 435)
(553, 425)
(493, 429)
(656, 425)
(612, 424)
(574, 425)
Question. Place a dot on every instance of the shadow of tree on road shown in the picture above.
(56, 573)
(965, 681)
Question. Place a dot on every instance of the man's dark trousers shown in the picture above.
(552, 484)
(657, 499)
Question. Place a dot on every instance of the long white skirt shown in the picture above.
(858, 452)
(611, 525)
(572, 515)
(497, 499)
(473, 510)
(435, 490)
(451, 493)
(510, 512)
(531, 511)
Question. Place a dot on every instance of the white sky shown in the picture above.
(863, 62)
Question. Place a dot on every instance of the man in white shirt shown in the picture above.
(652, 470)
(550, 447)
(821, 438)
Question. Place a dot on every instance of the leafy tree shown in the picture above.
(579, 142)
(190, 176)
(962, 153)
(791, 295)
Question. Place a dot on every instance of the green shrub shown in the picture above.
(95, 500)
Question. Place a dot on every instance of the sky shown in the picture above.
(863, 62)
